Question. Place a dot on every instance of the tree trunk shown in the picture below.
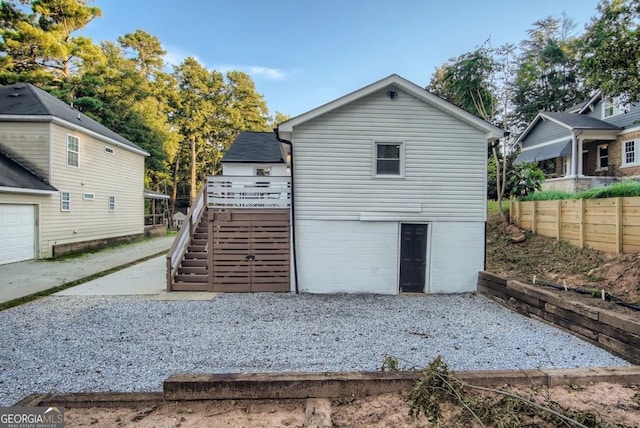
(500, 181)
(194, 193)
(174, 190)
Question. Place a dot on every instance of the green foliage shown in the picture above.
(548, 76)
(623, 189)
(431, 390)
(549, 195)
(390, 364)
(525, 179)
(611, 49)
(489, 407)
(466, 81)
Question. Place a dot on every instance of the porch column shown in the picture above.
(580, 156)
(573, 171)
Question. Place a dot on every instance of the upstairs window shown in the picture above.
(112, 204)
(613, 107)
(263, 172)
(73, 151)
(388, 159)
(603, 156)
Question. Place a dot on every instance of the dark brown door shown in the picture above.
(413, 257)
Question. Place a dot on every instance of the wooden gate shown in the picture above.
(249, 250)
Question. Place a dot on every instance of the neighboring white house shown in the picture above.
(66, 182)
(390, 192)
(255, 154)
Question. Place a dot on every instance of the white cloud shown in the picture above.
(175, 56)
(255, 71)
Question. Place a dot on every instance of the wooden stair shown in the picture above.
(192, 273)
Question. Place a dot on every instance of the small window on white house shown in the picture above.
(629, 155)
(73, 151)
(88, 196)
(109, 150)
(263, 172)
(388, 159)
(603, 156)
(112, 204)
(65, 201)
(613, 107)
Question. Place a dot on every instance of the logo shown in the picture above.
(31, 417)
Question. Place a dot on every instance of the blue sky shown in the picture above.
(304, 53)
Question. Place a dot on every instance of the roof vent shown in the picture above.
(15, 94)
(79, 118)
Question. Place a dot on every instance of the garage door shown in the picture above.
(17, 233)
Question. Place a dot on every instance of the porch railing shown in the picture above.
(181, 243)
(249, 192)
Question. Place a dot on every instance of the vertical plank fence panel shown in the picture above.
(608, 224)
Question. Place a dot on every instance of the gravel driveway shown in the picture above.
(75, 344)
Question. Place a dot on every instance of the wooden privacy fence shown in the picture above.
(609, 224)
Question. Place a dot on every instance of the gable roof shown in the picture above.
(25, 102)
(16, 178)
(570, 121)
(493, 132)
(255, 147)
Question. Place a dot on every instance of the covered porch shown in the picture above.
(582, 153)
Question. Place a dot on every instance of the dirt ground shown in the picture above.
(557, 262)
(615, 405)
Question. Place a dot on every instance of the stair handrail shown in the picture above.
(181, 243)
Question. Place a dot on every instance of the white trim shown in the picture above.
(636, 161)
(594, 98)
(62, 193)
(493, 132)
(27, 191)
(374, 160)
(61, 122)
(77, 152)
(629, 130)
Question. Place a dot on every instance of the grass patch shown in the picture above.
(492, 207)
(623, 189)
(121, 245)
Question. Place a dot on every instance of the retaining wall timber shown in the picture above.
(616, 332)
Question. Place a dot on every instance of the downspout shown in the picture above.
(293, 209)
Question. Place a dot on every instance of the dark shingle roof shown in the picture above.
(255, 147)
(580, 121)
(15, 175)
(24, 99)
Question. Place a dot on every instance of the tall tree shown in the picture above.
(611, 49)
(42, 42)
(200, 117)
(548, 75)
(246, 108)
(467, 82)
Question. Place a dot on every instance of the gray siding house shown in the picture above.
(594, 143)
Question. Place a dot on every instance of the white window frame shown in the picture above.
(375, 159)
(109, 150)
(614, 105)
(599, 166)
(625, 162)
(65, 201)
(77, 151)
(88, 196)
(111, 204)
(266, 172)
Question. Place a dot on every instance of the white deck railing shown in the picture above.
(248, 192)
